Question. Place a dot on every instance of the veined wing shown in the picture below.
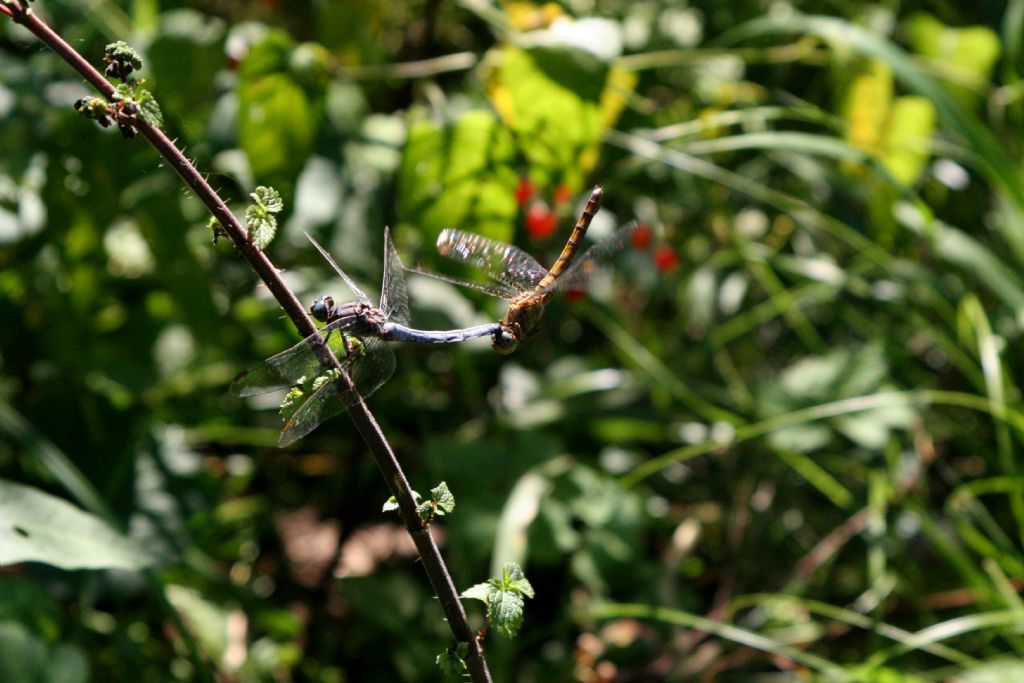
(291, 366)
(369, 364)
(503, 263)
(394, 297)
(497, 290)
(348, 281)
(577, 276)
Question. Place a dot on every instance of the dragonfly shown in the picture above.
(520, 279)
(356, 333)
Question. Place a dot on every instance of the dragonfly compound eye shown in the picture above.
(320, 308)
(504, 342)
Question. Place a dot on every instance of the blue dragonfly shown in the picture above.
(356, 332)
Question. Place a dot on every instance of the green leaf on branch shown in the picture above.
(452, 662)
(504, 598)
(443, 498)
(259, 217)
(440, 503)
(149, 109)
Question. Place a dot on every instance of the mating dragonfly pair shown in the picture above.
(358, 332)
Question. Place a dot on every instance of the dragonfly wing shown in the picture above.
(370, 363)
(578, 275)
(504, 263)
(394, 297)
(373, 363)
(327, 401)
(289, 367)
(498, 290)
(348, 281)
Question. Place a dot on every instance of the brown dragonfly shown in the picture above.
(520, 279)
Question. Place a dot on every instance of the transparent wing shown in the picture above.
(578, 275)
(394, 297)
(370, 363)
(498, 290)
(504, 263)
(348, 281)
(289, 367)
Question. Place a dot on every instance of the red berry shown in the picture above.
(642, 237)
(541, 221)
(665, 258)
(524, 190)
(562, 195)
(574, 295)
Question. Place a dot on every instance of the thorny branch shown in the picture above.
(364, 421)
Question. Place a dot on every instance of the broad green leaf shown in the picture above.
(277, 116)
(461, 175)
(38, 527)
(559, 101)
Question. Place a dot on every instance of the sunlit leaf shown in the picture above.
(38, 527)
(559, 101)
(460, 175)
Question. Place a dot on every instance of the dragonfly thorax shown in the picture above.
(355, 317)
(519, 322)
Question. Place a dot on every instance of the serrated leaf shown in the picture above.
(268, 198)
(426, 510)
(149, 110)
(264, 231)
(505, 611)
(478, 592)
(443, 498)
(38, 527)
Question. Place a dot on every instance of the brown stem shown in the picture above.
(364, 421)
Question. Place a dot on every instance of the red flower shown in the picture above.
(541, 222)
(665, 258)
(562, 195)
(642, 237)
(524, 190)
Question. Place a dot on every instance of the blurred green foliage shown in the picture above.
(779, 440)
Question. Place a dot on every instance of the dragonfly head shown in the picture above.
(322, 307)
(504, 341)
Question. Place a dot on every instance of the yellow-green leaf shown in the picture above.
(907, 144)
